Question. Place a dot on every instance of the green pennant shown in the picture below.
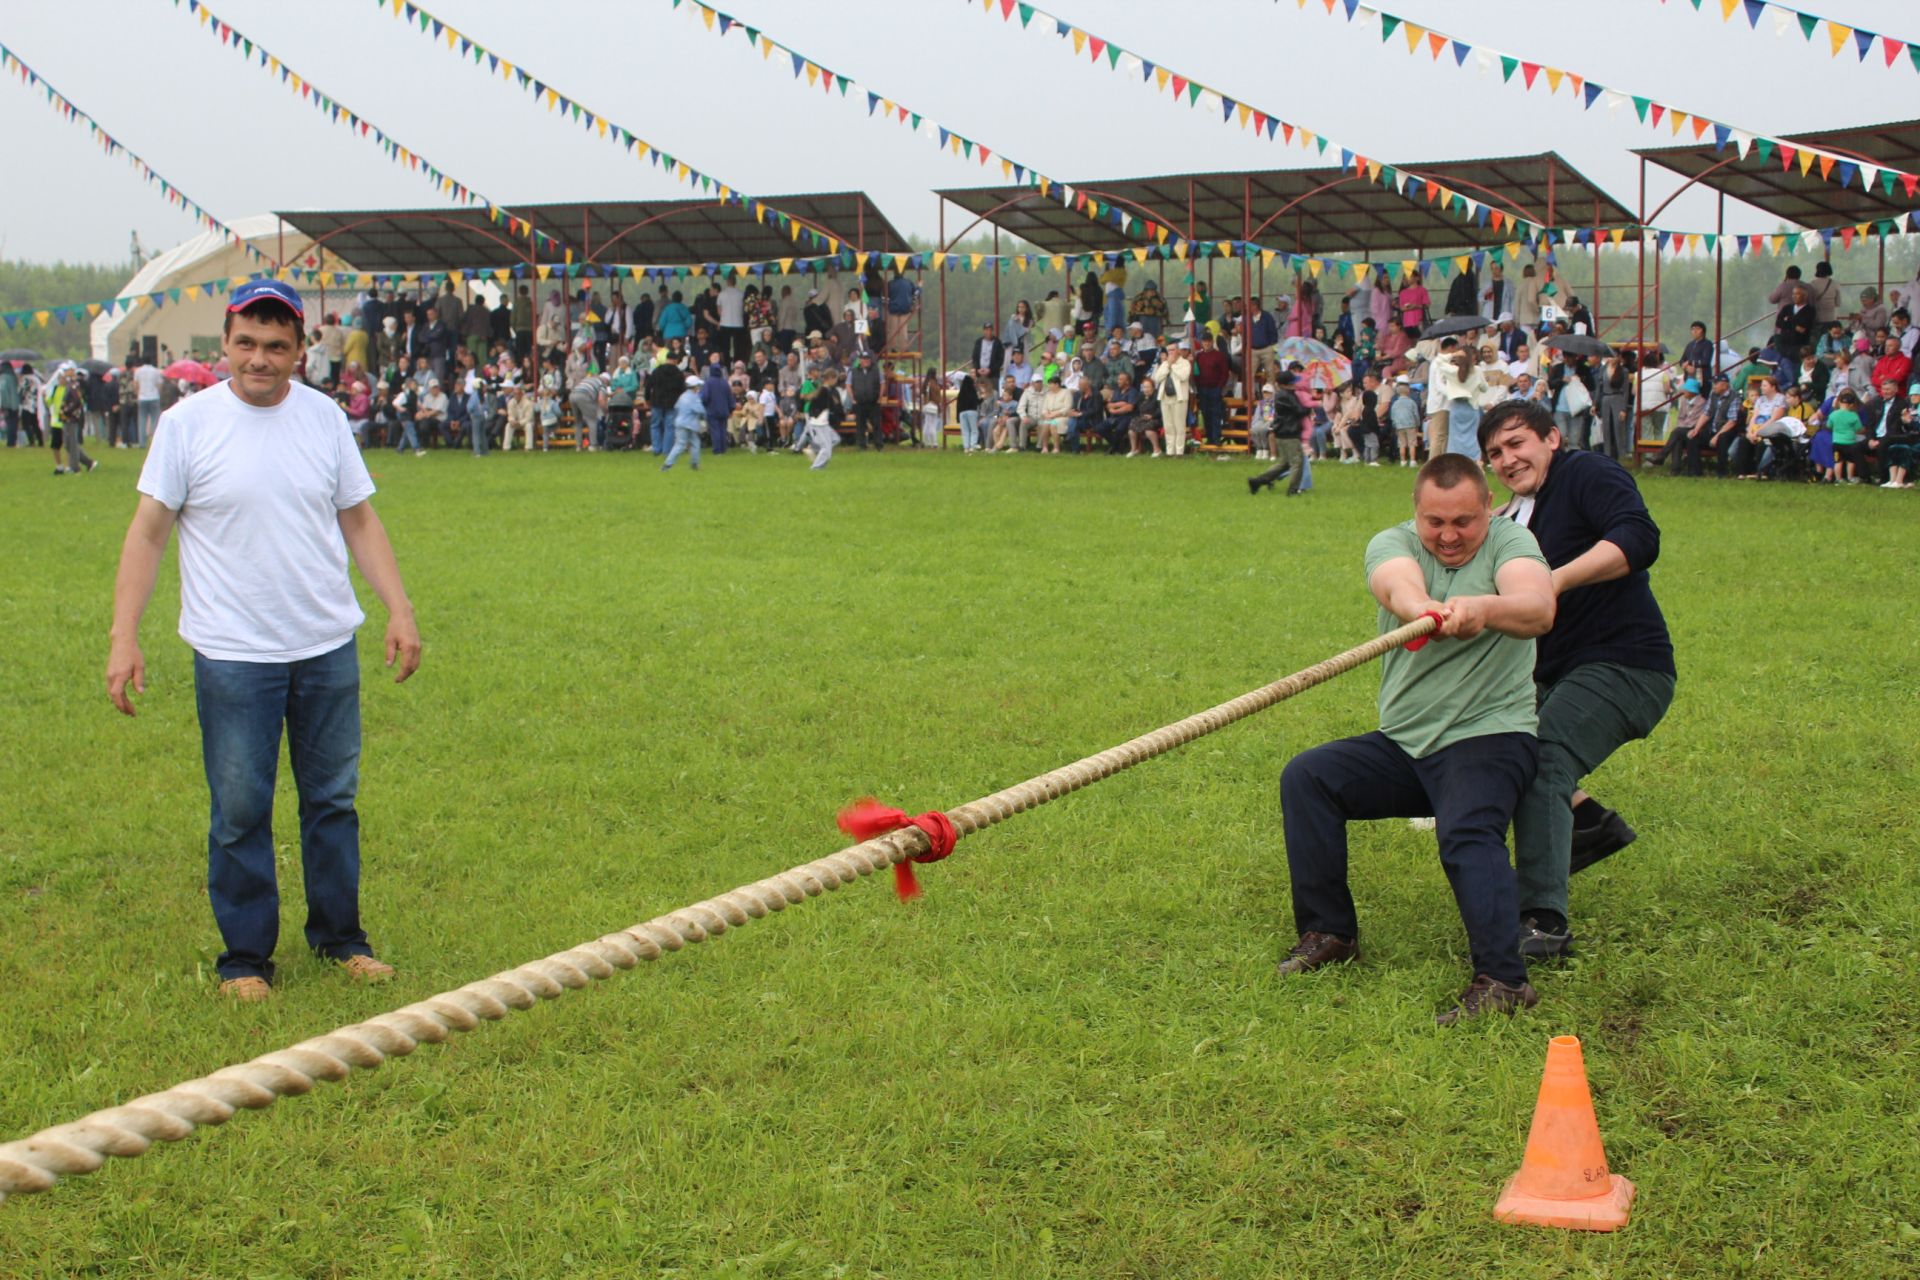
(1807, 23)
(1026, 14)
(967, 147)
(1886, 181)
(1710, 241)
(424, 20)
(1323, 145)
(1193, 93)
(1763, 147)
(173, 295)
(1444, 266)
(1133, 226)
(1913, 52)
(1507, 67)
(1640, 106)
(753, 37)
(1888, 227)
(1387, 25)
(1113, 56)
(843, 84)
(915, 117)
(1696, 4)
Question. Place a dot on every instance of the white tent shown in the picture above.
(205, 258)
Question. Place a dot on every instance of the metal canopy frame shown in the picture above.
(676, 232)
(1316, 210)
(1806, 200)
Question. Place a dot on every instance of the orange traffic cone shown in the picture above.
(1563, 1179)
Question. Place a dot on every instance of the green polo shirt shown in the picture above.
(1452, 690)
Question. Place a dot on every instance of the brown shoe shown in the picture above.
(1484, 995)
(248, 990)
(1315, 950)
(367, 969)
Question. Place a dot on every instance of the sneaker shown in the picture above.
(1317, 950)
(367, 969)
(1484, 995)
(93, 464)
(1543, 942)
(248, 990)
(1605, 838)
(1253, 485)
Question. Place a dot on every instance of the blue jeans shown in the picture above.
(1470, 788)
(1213, 410)
(146, 418)
(717, 432)
(685, 440)
(659, 429)
(243, 706)
(407, 437)
(970, 429)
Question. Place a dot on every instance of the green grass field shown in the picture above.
(1072, 1057)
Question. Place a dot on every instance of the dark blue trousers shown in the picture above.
(1469, 788)
(243, 707)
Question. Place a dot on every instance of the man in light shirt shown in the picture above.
(263, 480)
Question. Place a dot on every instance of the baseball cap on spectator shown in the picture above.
(264, 291)
(693, 381)
(1722, 377)
(1505, 317)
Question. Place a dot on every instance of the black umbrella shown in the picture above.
(19, 355)
(100, 367)
(1579, 344)
(1447, 326)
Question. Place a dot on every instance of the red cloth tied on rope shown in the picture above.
(1415, 646)
(866, 818)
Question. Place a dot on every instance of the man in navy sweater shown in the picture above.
(1604, 673)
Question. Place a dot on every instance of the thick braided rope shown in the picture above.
(36, 1163)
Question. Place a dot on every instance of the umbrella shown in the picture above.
(1325, 366)
(19, 355)
(191, 370)
(1578, 344)
(1446, 326)
(99, 367)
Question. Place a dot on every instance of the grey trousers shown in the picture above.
(1287, 458)
(1585, 716)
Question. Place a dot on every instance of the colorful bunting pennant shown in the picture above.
(12, 64)
(1839, 36)
(360, 126)
(1588, 91)
(417, 17)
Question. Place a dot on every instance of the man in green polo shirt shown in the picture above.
(1456, 738)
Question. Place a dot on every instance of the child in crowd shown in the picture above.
(1260, 429)
(1403, 415)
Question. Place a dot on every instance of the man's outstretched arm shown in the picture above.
(140, 554)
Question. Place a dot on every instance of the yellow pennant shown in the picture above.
(976, 259)
(502, 276)
(1554, 77)
(1244, 112)
(706, 16)
(41, 317)
(939, 262)
(191, 292)
(1079, 40)
(543, 271)
(1266, 257)
(1057, 262)
(1838, 35)
(1159, 77)
(1727, 7)
(1313, 267)
(1413, 42)
(1140, 255)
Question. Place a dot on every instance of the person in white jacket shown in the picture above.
(1173, 382)
(1462, 386)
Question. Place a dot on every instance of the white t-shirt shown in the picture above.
(731, 304)
(263, 564)
(148, 379)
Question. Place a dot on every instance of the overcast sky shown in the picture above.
(239, 142)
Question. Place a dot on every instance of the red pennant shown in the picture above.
(1529, 70)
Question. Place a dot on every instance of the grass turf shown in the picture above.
(1071, 1058)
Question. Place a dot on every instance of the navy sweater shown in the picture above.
(1588, 498)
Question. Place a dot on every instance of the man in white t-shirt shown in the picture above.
(147, 380)
(262, 478)
(732, 306)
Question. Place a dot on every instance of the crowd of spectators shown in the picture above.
(1095, 367)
